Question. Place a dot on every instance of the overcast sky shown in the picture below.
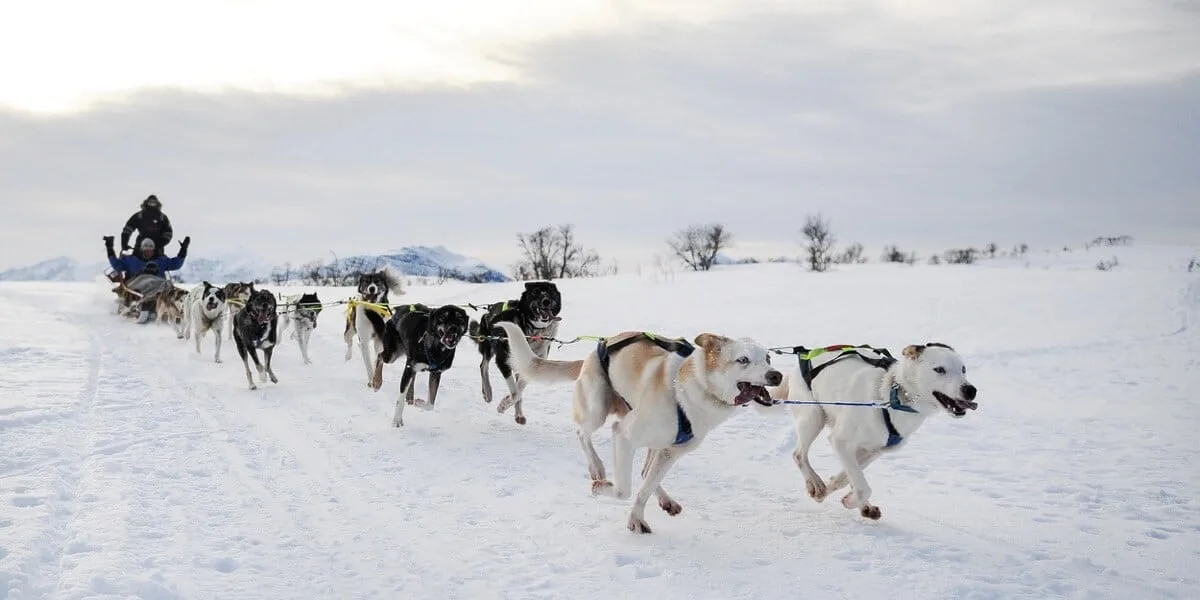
(295, 128)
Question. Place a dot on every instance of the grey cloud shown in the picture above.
(754, 122)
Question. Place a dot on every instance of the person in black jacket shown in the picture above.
(149, 222)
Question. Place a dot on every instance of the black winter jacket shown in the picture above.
(153, 225)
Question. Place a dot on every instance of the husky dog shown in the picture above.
(169, 306)
(666, 395)
(367, 314)
(254, 329)
(427, 339)
(236, 294)
(926, 380)
(204, 309)
(536, 313)
(301, 311)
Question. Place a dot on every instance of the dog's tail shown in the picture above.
(531, 366)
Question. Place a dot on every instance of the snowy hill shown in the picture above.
(135, 467)
(425, 261)
(243, 265)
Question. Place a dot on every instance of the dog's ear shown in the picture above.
(938, 345)
(913, 351)
(207, 285)
(711, 342)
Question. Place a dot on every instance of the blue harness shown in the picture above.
(681, 347)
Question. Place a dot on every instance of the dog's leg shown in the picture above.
(591, 411)
(661, 461)
(405, 397)
(348, 335)
(270, 373)
(514, 390)
(435, 380)
(364, 345)
(626, 437)
(200, 336)
(303, 339)
(841, 480)
(809, 423)
(219, 331)
(483, 375)
(860, 490)
(377, 376)
(241, 348)
(665, 501)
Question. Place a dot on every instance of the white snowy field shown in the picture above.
(131, 467)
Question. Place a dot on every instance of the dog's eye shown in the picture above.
(743, 360)
(964, 369)
(939, 370)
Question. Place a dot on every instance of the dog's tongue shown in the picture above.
(751, 393)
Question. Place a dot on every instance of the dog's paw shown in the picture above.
(398, 422)
(375, 383)
(520, 419)
(670, 506)
(506, 403)
(851, 500)
(815, 489)
(274, 379)
(218, 361)
(421, 404)
(870, 512)
(639, 526)
(253, 387)
(602, 487)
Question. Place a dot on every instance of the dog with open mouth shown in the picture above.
(206, 310)
(928, 379)
(427, 339)
(367, 315)
(666, 395)
(254, 329)
(536, 312)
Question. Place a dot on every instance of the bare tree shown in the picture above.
(698, 245)
(820, 242)
(893, 254)
(991, 249)
(961, 256)
(935, 260)
(553, 253)
(852, 255)
(278, 276)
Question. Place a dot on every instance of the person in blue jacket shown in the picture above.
(144, 271)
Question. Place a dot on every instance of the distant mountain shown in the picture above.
(415, 261)
(55, 269)
(424, 261)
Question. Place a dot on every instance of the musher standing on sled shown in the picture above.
(146, 269)
(150, 222)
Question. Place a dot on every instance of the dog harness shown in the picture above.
(678, 346)
(884, 361)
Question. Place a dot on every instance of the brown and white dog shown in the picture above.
(665, 394)
(169, 306)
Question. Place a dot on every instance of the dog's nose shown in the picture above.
(774, 377)
(969, 391)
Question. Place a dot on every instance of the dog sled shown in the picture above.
(137, 296)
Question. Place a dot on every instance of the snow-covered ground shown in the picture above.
(131, 467)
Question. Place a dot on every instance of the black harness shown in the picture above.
(808, 372)
(680, 346)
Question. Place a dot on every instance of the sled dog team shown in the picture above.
(665, 395)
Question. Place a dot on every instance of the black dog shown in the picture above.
(254, 328)
(536, 313)
(366, 317)
(427, 339)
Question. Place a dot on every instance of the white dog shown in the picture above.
(927, 379)
(204, 309)
(300, 311)
(666, 397)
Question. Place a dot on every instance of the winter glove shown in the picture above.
(183, 246)
(108, 245)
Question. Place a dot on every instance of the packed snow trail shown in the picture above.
(133, 467)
